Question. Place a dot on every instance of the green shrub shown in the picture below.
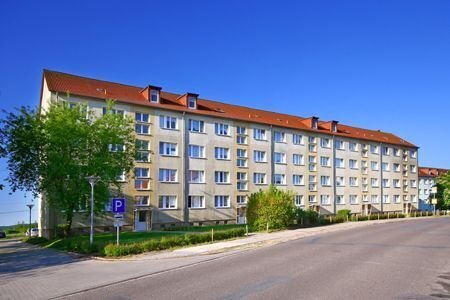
(344, 213)
(307, 217)
(271, 207)
(12, 231)
(35, 240)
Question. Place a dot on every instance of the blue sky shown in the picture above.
(375, 64)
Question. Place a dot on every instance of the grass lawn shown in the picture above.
(204, 228)
(106, 238)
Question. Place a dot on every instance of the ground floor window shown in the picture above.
(196, 202)
(168, 202)
(221, 201)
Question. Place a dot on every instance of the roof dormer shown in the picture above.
(152, 93)
(189, 100)
(314, 122)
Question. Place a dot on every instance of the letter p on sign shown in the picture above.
(118, 205)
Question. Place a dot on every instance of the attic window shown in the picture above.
(334, 126)
(314, 123)
(192, 102)
(154, 96)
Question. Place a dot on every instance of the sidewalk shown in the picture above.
(40, 275)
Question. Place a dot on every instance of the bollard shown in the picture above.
(246, 229)
(267, 227)
(347, 218)
(212, 234)
(330, 219)
(397, 215)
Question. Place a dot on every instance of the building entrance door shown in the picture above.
(241, 215)
(141, 221)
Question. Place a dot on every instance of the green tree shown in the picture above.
(443, 191)
(52, 152)
(273, 207)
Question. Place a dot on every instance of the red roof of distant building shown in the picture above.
(94, 88)
(431, 172)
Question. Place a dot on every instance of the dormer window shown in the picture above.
(154, 96)
(314, 122)
(192, 102)
(334, 126)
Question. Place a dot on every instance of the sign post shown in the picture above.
(118, 208)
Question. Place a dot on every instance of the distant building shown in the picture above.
(427, 179)
(198, 160)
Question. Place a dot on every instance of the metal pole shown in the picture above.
(117, 235)
(91, 235)
(30, 206)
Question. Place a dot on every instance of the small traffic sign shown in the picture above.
(118, 223)
(434, 201)
(434, 190)
(118, 205)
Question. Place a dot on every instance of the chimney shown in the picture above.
(333, 127)
(151, 93)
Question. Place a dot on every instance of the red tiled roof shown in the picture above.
(93, 88)
(431, 172)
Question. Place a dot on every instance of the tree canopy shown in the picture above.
(53, 151)
(443, 191)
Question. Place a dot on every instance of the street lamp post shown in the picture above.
(30, 206)
(92, 181)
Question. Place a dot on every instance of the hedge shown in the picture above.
(113, 250)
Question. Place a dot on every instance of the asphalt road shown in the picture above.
(402, 260)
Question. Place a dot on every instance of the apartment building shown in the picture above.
(427, 179)
(199, 159)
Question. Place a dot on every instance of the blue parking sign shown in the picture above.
(118, 205)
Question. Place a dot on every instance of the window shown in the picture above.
(154, 96)
(413, 183)
(116, 148)
(312, 148)
(374, 182)
(325, 180)
(241, 139)
(353, 181)
(396, 152)
(167, 175)
(242, 181)
(196, 176)
(141, 117)
(141, 173)
(241, 130)
(312, 183)
(192, 102)
(279, 158)
(386, 150)
(413, 198)
(386, 199)
(241, 155)
(365, 198)
(353, 147)
(114, 111)
(221, 153)
(222, 177)
(298, 179)
(222, 129)
(196, 201)
(142, 151)
(396, 167)
(221, 201)
(169, 149)
(279, 137)
(141, 200)
(373, 149)
(167, 202)
(141, 184)
(340, 199)
(196, 126)
(122, 177)
(196, 151)
(386, 183)
(385, 167)
(324, 199)
(241, 199)
(279, 179)
(298, 159)
(259, 178)
(312, 199)
(338, 144)
(374, 199)
(167, 122)
(298, 200)
(340, 181)
(396, 198)
(325, 161)
(142, 129)
(412, 168)
(259, 134)
(374, 165)
(297, 139)
(312, 163)
(339, 162)
(353, 164)
(325, 143)
(353, 199)
(312, 140)
(413, 153)
(259, 156)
